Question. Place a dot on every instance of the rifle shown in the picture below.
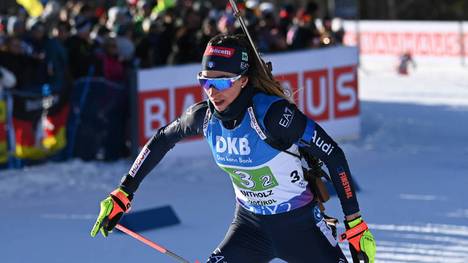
(239, 17)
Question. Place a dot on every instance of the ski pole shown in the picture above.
(151, 244)
(238, 15)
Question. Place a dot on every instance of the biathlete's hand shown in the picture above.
(361, 241)
(112, 209)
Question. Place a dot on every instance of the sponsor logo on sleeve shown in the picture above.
(319, 142)
(286, 119)
(206, 120)
(139, 161)
(254, 124)
(345, 183)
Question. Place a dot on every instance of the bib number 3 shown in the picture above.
(255, 180)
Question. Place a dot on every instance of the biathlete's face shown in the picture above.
(221, 87)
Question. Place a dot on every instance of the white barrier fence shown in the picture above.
(323, 82)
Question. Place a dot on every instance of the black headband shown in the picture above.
(230, 59)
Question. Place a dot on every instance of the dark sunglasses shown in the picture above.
(218, 83)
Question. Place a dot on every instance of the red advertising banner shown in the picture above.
(436, 39)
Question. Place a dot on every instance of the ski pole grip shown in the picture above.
(350, 233)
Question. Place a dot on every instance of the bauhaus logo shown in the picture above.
(236, 146)
(326, 94)
(331, 94)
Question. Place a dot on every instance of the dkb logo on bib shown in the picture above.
(238, 146)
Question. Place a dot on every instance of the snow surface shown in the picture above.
(410, 163)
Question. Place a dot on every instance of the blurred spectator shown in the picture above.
(186, 49)
(80, 51)
(286, 16)
(98, 35)
(17, 28)
(36, 38)
(269, 37)
(61, 31)
(23, 66)
(7, 79)
(163, 5)
(143, 14)
(111, 64)
(57, 57)
(303, 33)
(147, 49)
(124, 41)
(226, 23)
(168, 28)
(117, 16)
(338, 30)
(331, 32)
(209, 30)
(51, 13)
(84, 11)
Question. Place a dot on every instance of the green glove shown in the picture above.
(112, 209)
(361, 241)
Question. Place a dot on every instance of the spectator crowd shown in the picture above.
(77, 39)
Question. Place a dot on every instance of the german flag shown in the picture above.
(25, 136)
(54, 125)
(27, 114)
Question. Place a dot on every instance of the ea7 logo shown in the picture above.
(287, 117)
(238, 146)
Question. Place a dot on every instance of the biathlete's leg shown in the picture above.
(244, 242)
(307, 238)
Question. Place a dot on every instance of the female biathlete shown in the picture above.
(255, 134)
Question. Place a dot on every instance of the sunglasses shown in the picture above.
(219, 84)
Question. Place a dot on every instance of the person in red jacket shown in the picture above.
(112, 66)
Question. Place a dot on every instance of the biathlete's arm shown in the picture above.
(288, 125)
(190, 123)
